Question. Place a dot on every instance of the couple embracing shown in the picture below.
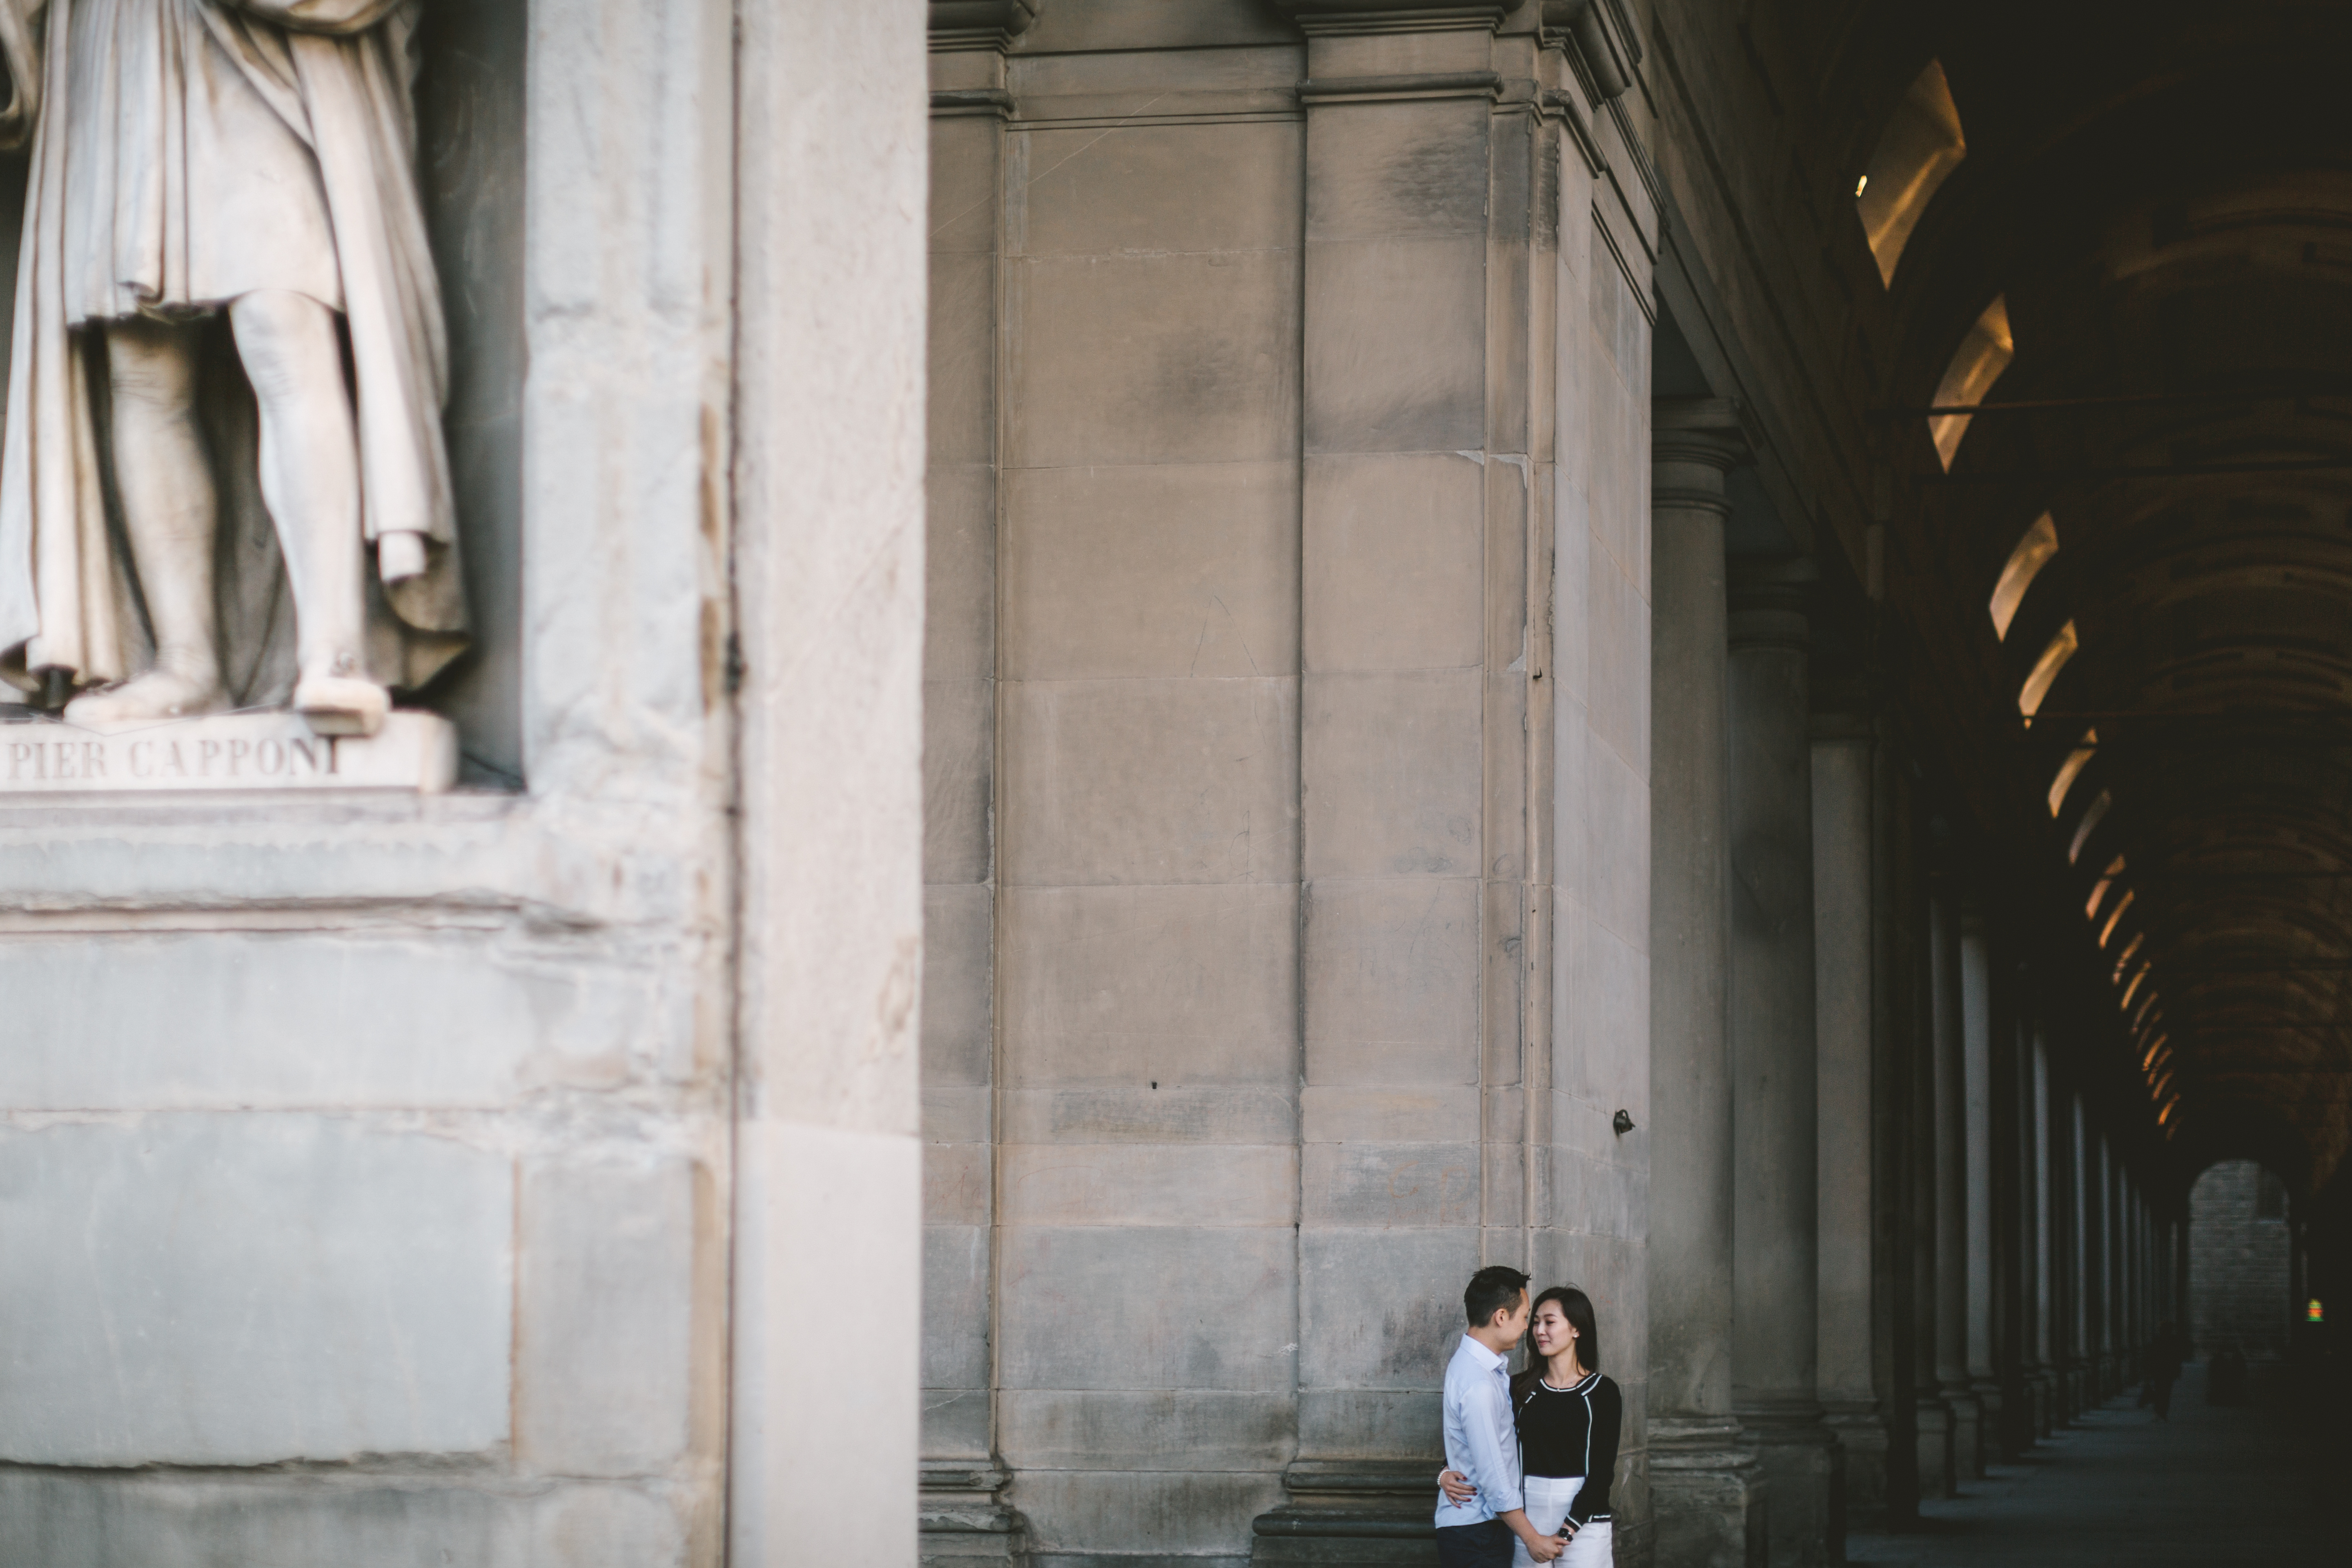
(1529, 1458)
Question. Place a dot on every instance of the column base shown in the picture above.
(2045, 1403)
(1862, 1438)
(1707, 1497)
(1933, 1424)
(1994, 1442)
(959, 1523)
(1803, 1475)
(1967, 1435)
(1352, 1513)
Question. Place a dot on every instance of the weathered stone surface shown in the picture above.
(606, 1366)
(207, 1019)
(61, 1520)
(1149, 782)
(1128, 986)
(244, 1289)
(1056, 1335)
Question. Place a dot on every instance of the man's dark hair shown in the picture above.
(1492, 1288)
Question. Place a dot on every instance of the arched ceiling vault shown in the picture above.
(2162, 196)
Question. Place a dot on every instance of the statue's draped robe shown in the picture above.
(185, 152)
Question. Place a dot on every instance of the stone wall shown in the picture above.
(2240, 1263)
(377, 1181)
(1287, 753)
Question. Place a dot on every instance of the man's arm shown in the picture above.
(1481, 1419)
(1485, 1414)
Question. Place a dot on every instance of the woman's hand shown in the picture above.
(1456, 1485)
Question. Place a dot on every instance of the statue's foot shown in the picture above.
(157, 695)
(341, 704)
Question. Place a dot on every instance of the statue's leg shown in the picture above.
(310, 482)
(171, 512)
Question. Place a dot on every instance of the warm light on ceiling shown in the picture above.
(2045, 670)
(2032, 553)
(1983, 354)
(2131, 990)
(2072, 768)
(2089, 823)
(2109, 929)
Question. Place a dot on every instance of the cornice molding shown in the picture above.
(1604, 41)
(1340, 17)
(981, 23)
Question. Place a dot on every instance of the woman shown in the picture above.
(1569, 1418)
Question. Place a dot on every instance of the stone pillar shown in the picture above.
(1931, 1417)
(2084, 1359)
(1444, 753)
(2040, 1299)
(1977, 1072)
(1951, 1187)
(2118, 1281)
(1774, 1047)
(960, 1479)
(1707, 1491)
(1894, 940)
(2103, 1266)
(828, 575)
(1847, 1003)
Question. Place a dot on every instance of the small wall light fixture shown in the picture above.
(1623, 1122)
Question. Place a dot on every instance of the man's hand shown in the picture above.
(1456, 1486)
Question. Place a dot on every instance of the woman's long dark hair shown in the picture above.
(1577, 1307)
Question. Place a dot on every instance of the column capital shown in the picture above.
(1604, 38)
(1771, 602)
(1694, 443)
(979, 24)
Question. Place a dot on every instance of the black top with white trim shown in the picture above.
(1572, 1431)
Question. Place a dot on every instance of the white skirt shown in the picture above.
(1546, 1499)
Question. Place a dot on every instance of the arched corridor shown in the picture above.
(1702, 649)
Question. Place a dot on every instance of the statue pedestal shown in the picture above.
(277, 750)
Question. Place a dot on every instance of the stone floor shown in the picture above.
(2215, 1485)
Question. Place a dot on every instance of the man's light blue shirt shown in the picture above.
(1480, 1440)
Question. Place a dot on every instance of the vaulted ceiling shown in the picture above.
(2161, 196)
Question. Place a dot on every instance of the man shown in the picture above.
(1480, 1441)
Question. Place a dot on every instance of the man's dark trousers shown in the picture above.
(1487, 1544)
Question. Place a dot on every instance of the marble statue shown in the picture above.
(228, 365)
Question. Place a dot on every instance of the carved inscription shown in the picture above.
(230, 752)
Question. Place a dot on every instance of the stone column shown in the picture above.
(961, 1477)
(1931, 1417)
(1977, 1072)
(2040, 1299)
(1707, 1491)
(1774, 1047)
(2103, 1266)
(1951, 1188)
(1894, 940)
(2082, 1360)
(1430, 704)
(1846, 1002)
(828, 577)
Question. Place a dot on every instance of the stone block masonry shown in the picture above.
(2240, 1262)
